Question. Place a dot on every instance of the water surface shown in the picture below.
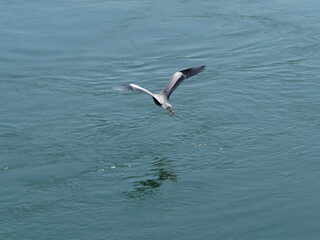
(239, 160)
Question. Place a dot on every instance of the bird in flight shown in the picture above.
(162, 99)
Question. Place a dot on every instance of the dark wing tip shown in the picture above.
(202, 68)
(193, 71)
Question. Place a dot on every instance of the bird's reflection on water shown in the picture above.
(159, 173)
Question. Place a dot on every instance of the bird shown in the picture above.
(162, 98)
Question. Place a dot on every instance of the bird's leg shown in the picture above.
(170, 110)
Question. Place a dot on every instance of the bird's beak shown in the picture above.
(170, 110)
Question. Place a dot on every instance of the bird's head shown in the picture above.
(167, 106)
(170, 110)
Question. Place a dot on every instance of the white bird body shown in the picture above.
(162, 99)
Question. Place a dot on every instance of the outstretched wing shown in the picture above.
(133, 87)
(178, 78)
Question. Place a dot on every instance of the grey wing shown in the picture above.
(133, 87)
(178, 78)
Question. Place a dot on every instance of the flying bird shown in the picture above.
(162, 99)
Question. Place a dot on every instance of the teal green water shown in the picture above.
(238, 160)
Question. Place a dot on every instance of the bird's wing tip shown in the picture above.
(189, 72)
(202, 68)
(117, 88)
(122, 87)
